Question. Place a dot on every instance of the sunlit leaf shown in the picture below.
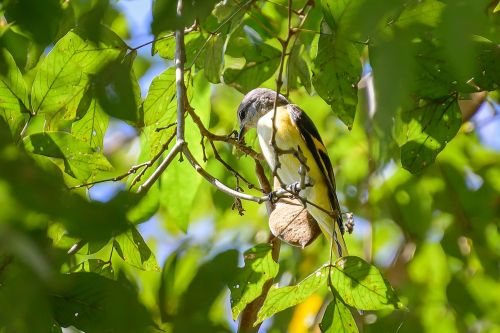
(13, 94)
(214, 58)
(282, 298)
(91, 128)
(180, 175)
(336, 72)
(160, 111)
(80, 160)
(259, 268)
(161, 98)
(423, 130)
(298, 70)
(132, 248)
(362, 286)
(165, 47)
(261, 61)
(338, 318)
(64, 76)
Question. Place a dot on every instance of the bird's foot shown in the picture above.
(273, 197)
(294, 188)
(349, 222)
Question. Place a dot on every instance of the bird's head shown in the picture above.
(254, 105)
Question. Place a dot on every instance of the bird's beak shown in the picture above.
(241, 133)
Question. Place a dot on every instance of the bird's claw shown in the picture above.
(273, 198)
(349, 223)
(294, 188)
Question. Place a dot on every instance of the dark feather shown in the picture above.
(310, 133)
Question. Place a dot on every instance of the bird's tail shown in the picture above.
(331, 229)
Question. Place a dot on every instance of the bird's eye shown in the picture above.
(243, 113)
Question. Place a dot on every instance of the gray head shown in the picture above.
(254, 105)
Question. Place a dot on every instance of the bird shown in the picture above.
(296, 155)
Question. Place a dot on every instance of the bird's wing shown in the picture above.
(315, 145)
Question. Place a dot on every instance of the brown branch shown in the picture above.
(223, 138)
(249, 313)
(152, 161)
(230, 168)
(180, 59)
(132, 170)
(192, 28)
(217, 31)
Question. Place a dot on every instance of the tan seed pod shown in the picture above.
(292, 223)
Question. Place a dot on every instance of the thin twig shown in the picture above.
(164, 164)
(216, 31)
(192, 28)
(180, 59)
(222, 138)
(152, 161)
(217, 183)
(230, 168)
(132, 170)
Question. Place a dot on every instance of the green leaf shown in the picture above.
(214, 58)
(298, 69)
(279, 299)
(165, 47)
(338, 318)
(179, 187)
(98, 266)
(159, 112)
(202, 293)
(36, 191)
(13, 94)
(21, 284)
(427, 13)
(261, 62)
(423, 131)
(147, 205)
(118, 91)
(488, 65)
(362, 286)
(161, 98)
(195, 46)
(80, 160)
(64, 75)
(165, 14)
(334, 11)
(168, 301)
(336, 73)
(39, 19)
(132, 248)
(177, 274)
(180, 182)
(91, 128)
(93, 303)
(259, 268)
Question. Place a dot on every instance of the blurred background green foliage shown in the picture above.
(405, 94)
